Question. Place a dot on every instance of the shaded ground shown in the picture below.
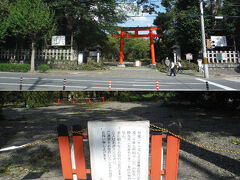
(213, 128)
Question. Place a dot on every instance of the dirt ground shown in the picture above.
(217, 128)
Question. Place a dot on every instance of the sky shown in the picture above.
(142, 19)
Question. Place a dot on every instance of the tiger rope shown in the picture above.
(153, 128)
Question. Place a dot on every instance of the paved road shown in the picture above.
(122, 79)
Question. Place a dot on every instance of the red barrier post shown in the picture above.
(157, 84)
(64, 147)
(156, 157)
(79, 153)
(110, 85)
(172, 158)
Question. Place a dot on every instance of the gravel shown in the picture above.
(212, 128)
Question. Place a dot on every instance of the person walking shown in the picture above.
(167, 63)
(172, 69)
(179, 67)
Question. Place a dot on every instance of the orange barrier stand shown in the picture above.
(157, 84)
(110, 85)
(172, 155)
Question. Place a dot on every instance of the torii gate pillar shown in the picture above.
(152, 48)
(121, 47)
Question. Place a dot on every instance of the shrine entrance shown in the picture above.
(151, 35)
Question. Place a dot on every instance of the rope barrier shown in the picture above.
(159, 129)
(153, 128)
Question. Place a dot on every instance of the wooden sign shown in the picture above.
(58, 40)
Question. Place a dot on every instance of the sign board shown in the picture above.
(222, 56)
(80, 58)
(189, 56)
(58, 40)
(219, 41)
(92, 53)
(119, 149)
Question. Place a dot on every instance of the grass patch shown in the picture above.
(186, 65)
(146, 96)
(91, 66)
(14, 67)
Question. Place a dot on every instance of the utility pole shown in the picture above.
(205, 60)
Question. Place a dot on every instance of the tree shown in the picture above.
(134, 48)
(31, 19)
(187, 26)
(111, 48)
(165, 21)
(3, 17)
(231, 21)
(88, 21)
(182, 19)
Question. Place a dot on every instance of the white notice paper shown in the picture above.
(119, 150)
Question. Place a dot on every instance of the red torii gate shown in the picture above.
(151, 35)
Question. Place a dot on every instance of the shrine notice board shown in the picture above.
(119, 150)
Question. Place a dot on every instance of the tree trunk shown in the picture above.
(71, 58)
(33, 57)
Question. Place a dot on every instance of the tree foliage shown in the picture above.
(30, 18)
(134, 49)
(3, 17)
(181, 23)
(88, 21)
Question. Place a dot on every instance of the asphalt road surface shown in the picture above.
(122, 79)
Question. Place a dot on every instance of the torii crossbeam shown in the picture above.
(151, 35)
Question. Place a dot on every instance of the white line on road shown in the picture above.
(41, 85)
(218, 85)
(139, 85)
(135, 89)
(76, 80)
(152, 82)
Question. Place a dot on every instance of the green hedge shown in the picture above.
(14, 67)
(91, 66)
(185, 66)
(43, 68)
(161, 66)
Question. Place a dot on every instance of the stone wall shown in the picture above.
(217, 66)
